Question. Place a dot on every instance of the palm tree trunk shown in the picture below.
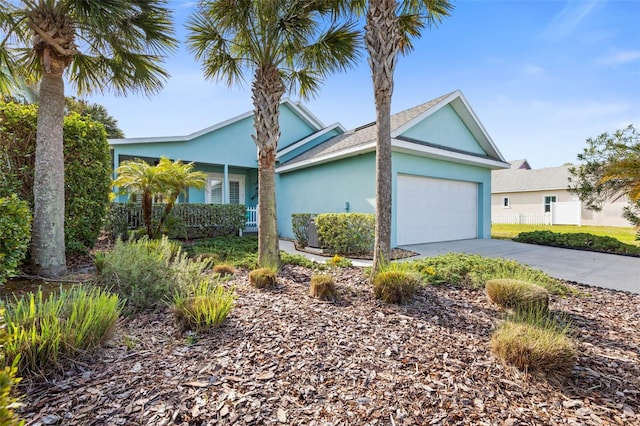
(267, 91)
(47, 245)
(382, 37)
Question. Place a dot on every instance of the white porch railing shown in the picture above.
(252, 217)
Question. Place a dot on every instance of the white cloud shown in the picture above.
(530, 70)
(569, 18)
(620, 57)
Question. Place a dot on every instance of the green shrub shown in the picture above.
(346, 233)
(87, 173)
(65, 325)
(224, 269)
(580, 240)
(298, 260)
(533, 342)
(394, 286)
(190, 220)
(263, 278)
(323, 287)
(228, 249)
(140, 272)
(300, 223)
(517, 295)
(15, 233)
(473, 271)
(204, 305)
(339, 262)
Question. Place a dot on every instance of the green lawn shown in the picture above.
(626, 235)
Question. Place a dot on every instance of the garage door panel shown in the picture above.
(430, 210)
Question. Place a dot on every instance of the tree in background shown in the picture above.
(168, 179)
(102, 45)
(610, 169)
(287, 45)
(390, 27)
(97, 113)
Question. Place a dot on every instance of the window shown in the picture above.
(505, 203)
(215, 189)
(548, 199)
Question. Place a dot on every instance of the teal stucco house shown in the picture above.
(442, 162)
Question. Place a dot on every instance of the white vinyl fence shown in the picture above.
(252, 217)
(565, 213)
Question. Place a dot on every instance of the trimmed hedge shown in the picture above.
(87, 172)
(346, 233)
(580, 240)
(191, 220)
(15, 233)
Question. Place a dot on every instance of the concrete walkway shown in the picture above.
(597, 269)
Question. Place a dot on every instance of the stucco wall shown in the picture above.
(325, 188)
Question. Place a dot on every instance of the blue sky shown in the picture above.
(542, 76)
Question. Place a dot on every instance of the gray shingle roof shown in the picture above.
(364, 134)
(519, 180)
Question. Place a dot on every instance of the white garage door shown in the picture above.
(431, 210)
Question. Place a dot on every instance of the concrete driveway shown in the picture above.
(597, 269)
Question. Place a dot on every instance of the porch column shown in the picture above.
(225, 185)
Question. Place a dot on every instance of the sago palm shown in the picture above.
(287, 45)
(96, 45)
(390, 27)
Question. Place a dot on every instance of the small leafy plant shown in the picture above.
(263, 278)
(517, 295)
(394, 286)
(579, 240)
(338, 261)
(322, 286)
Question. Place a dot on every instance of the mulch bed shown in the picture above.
(283, 357)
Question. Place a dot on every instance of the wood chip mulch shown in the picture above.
(283, 357)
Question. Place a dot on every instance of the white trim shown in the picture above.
(344, 153)
(225, 185)
(444, 154)
(309, 139)
(544, 202)
(400, 146)
(295, 106)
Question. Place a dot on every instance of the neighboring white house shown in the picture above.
(541, 196)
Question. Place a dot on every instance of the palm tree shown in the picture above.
(288, 45)
(101, 45)
(390, 26)
(139, 177)
(624, 175)
(177, 177)
(168, 179)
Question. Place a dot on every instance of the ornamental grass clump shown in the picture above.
(263, 278)
(224, 269)
(517, 295)
(203, 306)
(534, 342)
(394, 286)
(65, 325)
(322, 286)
